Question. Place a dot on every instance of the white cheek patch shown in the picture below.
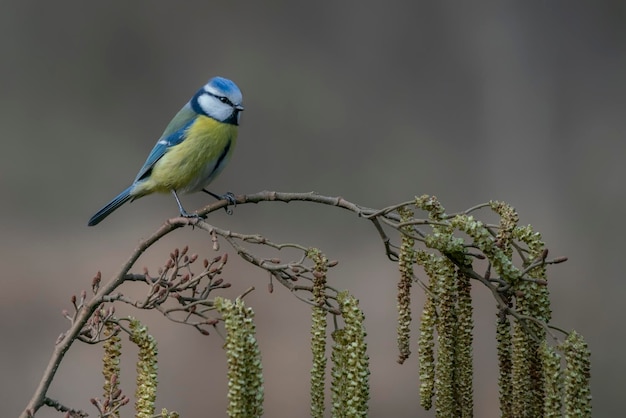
(207, 103)
(214, 108)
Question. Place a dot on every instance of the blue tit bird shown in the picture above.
(192, 151)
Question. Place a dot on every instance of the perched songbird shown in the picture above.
(193, 150)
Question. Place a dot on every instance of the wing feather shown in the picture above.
(174, 134)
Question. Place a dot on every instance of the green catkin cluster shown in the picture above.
(446, 400)
(532, 300)
(520, 352)
(437, 268)
(530, 379)
(536, 298)
(464, 366)
(448, 310)
(508, 221)
(318, 334)
(441, 238)
(431, 204)
(522, 355)
(426, 346)
(111, 363)
(504, 240)
(484, 241)
(505, 363)
(245, 377)
(350, 372)
(405, 265)
(553, 381)
(577, 377)
(146, 369)
(528, 375)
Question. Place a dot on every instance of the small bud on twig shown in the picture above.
(95, 282)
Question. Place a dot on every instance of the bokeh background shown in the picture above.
(521, 101)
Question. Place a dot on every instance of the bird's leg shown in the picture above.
(228, 196)
(182, 210)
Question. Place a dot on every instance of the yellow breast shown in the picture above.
(194, 163)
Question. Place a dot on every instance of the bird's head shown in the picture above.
(220, 99)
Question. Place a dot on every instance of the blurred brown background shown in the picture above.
(521, 101)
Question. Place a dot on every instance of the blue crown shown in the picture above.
(224, 84)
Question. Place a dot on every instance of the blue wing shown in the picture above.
(174, 134)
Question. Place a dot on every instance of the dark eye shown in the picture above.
(225, 100)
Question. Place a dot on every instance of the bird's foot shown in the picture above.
(182, 210)
(228, 196)
(191, 215)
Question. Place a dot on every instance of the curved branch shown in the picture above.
(284, 273)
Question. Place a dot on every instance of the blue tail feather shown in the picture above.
(118, 201)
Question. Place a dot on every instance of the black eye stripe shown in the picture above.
(222, 99)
